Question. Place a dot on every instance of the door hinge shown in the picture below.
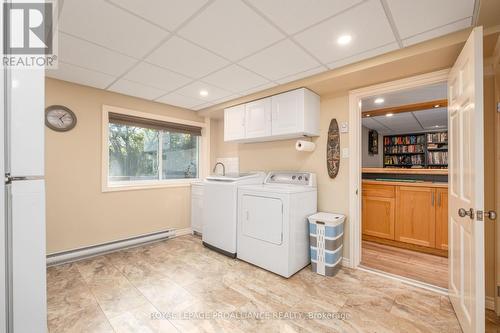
(479, 215)
(498, 291)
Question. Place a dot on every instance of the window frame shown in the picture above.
(203, 153)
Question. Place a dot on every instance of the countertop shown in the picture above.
(417, 184)
(405, 171)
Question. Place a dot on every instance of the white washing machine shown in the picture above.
(220, 203)
(272, 221)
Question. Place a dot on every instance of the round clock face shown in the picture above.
(59, 118)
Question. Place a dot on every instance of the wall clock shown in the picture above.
(59, 118)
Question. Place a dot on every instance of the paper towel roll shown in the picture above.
(302, 145)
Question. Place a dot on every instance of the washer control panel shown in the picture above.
(291, 178)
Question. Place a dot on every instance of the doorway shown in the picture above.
(404, 182)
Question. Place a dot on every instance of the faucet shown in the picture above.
(223, 168)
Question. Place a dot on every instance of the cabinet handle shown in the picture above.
(432, 199)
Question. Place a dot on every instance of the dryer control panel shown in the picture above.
(291, 178)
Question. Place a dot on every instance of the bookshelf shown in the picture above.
(416, 150)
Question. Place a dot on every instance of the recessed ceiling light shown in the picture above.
(379, 100)
(437, 105)
(203, 93)
(344, 39)
(437, 126)
(389, 115)
(367, 115)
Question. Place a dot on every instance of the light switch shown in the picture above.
(345, 152)
(344, 127)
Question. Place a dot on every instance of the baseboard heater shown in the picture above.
(95, 250)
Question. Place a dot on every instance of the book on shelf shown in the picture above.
(404, 149)
(404, 140)
(404, 160)
(437, 157)
(441, 137)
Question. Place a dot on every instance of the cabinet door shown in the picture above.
(196, 213)
(378, 216)
(286, 113)
(258, 118)
(234, 123)
(442, 218)
(415, 215)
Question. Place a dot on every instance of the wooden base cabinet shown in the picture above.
(416, 215)
(378, 211)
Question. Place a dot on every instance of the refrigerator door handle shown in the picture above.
(9, 179)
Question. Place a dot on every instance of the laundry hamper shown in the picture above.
(326, 234)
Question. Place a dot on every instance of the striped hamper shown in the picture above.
(326, 233)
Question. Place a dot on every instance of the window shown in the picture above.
(145, 151)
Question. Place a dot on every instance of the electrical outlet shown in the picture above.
(345, 152)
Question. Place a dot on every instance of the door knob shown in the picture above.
(492, 215)
(463, 213)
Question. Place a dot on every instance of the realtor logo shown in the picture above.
(28, 34)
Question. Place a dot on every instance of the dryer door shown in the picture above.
(263, 218)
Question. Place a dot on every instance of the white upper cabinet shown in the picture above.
(289, 115)
(234, 123)
(258, 118)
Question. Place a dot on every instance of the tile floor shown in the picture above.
(175, 279)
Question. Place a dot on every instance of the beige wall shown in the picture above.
(78, 213)
(281, 155)
(332, 193)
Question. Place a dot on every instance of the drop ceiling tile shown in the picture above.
(231, 29)
(400, 122)
(259, 88)
(168, 14)
(186, 58)
(280, 60)
(156, 77)
(364, 55)
(366, 23)
(71, 73)
(235, 79)
(414, 17)
(441, 31)
(131, 88)
(285, 13)
(373, 124)
(180, 100)
(302, 75)
(432, 118)
(193, 91)
(102, 23)
(88, 55)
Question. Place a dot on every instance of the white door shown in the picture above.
(466, 181)
(285, 112)
(27, 243)
(234, 123)
(26, 121)
(262, 218)
(258, 118)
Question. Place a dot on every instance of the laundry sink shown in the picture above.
(230, 177)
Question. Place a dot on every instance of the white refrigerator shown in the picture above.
(23, 301)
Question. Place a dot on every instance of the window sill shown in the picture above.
(149, 186)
